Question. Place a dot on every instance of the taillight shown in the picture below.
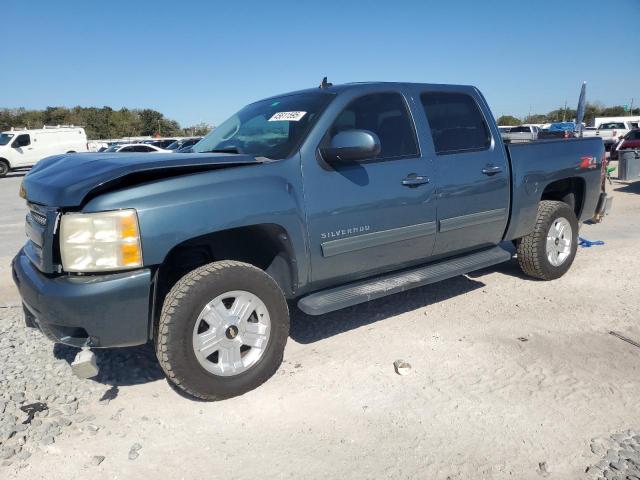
(566, 134)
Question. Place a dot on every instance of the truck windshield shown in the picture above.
(270, 128)
(5, 138)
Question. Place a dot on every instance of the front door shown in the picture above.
(473, 175)
(23, 151)
(374, 215)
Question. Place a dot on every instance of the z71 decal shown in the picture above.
(588, 162)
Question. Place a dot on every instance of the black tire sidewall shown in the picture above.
(4, 168)
(193, 376)
(550, 271)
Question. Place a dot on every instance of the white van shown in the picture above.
(21, 148)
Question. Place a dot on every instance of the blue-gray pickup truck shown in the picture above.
(326, 197)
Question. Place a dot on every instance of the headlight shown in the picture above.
(99, 242)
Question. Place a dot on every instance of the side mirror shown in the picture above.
(352, 146)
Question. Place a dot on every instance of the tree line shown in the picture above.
(591, 111)
(102, 122)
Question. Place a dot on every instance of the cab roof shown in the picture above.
(364, 86)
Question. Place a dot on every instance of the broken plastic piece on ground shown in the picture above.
(85, 364)
(31, 410)
(402, 367)
(583, 242)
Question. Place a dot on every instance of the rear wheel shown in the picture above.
(4, 168)
(548, 252)
(222, 330)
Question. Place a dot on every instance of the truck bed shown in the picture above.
(536, 165)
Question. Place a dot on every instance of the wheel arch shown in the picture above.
(267, 246)
(569, 190)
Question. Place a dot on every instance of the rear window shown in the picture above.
(633, 135)
(457, 125)
(611, 126)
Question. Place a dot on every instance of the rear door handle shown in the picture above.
(491, 170)
(412, 180)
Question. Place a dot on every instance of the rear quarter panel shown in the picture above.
(537, 164)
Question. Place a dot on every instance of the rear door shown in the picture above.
(374, 215)
(472, 171)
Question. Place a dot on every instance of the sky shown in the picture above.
(200, 61)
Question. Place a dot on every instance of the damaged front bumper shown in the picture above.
(111, 310)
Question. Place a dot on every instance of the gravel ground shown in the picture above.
(509, 378)
(620, 454)
(41, 399)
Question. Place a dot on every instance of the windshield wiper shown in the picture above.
(224, 150)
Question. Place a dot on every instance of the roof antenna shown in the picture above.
(324, 83)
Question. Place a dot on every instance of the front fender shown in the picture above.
(171, 211)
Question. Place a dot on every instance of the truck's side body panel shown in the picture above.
(536, 165)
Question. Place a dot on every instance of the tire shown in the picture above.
(536, 250)
(193, 305)
(4, 168)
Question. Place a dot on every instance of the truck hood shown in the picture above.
(66, 180)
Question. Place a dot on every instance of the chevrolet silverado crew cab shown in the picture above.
(324, 198)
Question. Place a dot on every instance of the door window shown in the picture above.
(386, 115)
(457, 125)
(22, 140)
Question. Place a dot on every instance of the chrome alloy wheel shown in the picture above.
(231, 333)
(559, 238)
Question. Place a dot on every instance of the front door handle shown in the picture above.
(491, 170)
(412, 180)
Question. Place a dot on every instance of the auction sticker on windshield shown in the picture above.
(287, 116)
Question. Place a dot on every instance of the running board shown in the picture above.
(362, 291)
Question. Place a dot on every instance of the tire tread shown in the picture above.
(528, 255)
(166, 322)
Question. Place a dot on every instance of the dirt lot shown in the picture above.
(511, 378)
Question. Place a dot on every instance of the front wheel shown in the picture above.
(222, 330)
(548, 252)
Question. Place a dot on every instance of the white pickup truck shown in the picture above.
(522, 133)
(610, 132)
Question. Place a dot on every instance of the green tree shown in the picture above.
(508, 120)
(197, 130)
(535, 118)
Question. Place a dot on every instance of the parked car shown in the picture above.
(522, 133)
(328, 197)
(134, 147)
(20, 148)
(162, 143)
(558, 130)
(612, 132)
(183, 143)
(631, 141)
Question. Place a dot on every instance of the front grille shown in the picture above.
(38, 218)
